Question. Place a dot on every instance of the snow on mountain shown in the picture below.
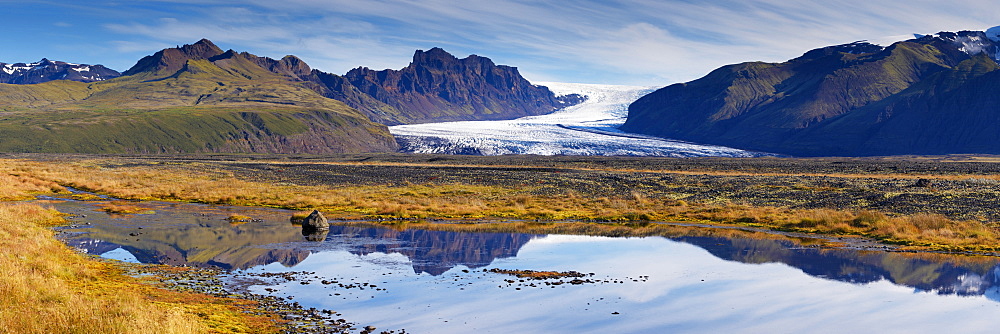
(48, 70)
(974, 42)
(589, 128)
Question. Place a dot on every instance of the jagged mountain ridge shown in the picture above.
(852, 99)
(438, 87)
(435, 87)
(48, 70)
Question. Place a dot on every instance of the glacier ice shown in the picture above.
(589, 128)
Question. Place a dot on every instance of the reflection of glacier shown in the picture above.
(590, 128)
(964, 276)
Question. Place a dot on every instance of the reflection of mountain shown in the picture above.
(435, 252)
(198, 235)
(961, 276)
(228, 259)
(184, 234)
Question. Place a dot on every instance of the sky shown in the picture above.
(637, 42)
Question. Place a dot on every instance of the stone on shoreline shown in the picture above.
(315, 222)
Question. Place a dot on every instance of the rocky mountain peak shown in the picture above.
(438, 86)
(288, 65)
(202, 49)
(434, 58)
(968, 42)
(173, 59)
(859, 47)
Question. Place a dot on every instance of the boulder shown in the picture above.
(314, 222)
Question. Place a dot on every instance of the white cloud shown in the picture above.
(634, 42)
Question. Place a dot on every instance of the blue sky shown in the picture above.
(643, 42)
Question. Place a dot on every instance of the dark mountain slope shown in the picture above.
(439, 87)
(825, 102)
(954, 111)
(435, 87)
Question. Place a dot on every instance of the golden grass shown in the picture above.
(48, 288)
(124, 208)
(239, 219)
(17, 187)
(204, 183)
(909, 176)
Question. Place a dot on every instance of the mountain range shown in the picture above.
(46, 70)
(199, 98)
(437, 87)
(934, 94)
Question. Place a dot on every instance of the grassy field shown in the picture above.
(48, 288)
(952, 209)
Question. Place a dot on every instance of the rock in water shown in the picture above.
(314, 222)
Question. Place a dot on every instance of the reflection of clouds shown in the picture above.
(970, 284)
(689, 290)
(120, 254)
(564, 239)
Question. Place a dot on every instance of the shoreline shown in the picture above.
(930, 203)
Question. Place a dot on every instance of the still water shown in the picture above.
(436, 282)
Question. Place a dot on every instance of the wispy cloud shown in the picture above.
(631, 42)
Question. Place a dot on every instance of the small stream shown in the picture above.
(453, 282)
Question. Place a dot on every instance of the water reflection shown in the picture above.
(961, 275)
(199, 235)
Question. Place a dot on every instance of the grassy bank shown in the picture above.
(389, 189)
(48, 288)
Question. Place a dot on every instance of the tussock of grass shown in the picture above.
(238, 219)
(299, 217)
(18, 187)
(86, 197)
(124, 208)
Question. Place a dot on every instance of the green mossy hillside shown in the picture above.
(222, 103)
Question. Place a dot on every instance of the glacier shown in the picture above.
(589, 128)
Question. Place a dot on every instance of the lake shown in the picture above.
(456, 282)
